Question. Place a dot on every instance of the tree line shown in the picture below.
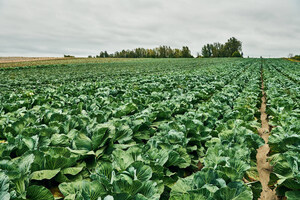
(232, 48)
(159, 52)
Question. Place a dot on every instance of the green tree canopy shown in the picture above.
(158, 52)
(232, 48)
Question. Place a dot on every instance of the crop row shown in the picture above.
(284, 111)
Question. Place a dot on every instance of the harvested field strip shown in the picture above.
(27, 59)
(59, 61)
(293, 60)
(263, 167)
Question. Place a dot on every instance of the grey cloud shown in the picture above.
(85, 27)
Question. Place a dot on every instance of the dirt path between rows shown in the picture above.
(263, 167)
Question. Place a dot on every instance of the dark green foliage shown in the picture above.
(69, 56)
(232, 48)
(159, 52)
(141, 129)
(207, 51)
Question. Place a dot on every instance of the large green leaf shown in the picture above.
(140, 171)
(123, 134)
(82, 142)
(234, 191)
(58, 157)
(129, 108)
(44, 174)
(292, 195)
(199, 194)
(101, 134)
(149, 190)
(122, 159)
(182, 186)
(60, 140)
(36, 192)
(72, 170)
(82, 190)
(4, 187)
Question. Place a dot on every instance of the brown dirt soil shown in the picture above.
(9, 62)
(56, 193)
(24, 59)
(263, 167)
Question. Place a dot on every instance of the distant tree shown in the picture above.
(207, 51)
(106, 54)
(170, 52)
(177, 53)
(162, 51)
(69, 56)
(123, 54)
(186, 53)
(150, 53)
(231, 46)
(101, 54)
(217, 50)
(90, 56)
(223, 50)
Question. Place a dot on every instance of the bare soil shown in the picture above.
(9, 62)
(263, 166)
(56, 192)
(24, 59)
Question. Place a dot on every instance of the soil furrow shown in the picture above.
(263, 166)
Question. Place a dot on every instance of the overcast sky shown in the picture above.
(85, 27)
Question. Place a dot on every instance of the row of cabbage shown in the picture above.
(229, 167)
(288, 69)
(283, 94)
(130, 133)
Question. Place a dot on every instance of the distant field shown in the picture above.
(24, 59)
(293, 60)
(33, 61)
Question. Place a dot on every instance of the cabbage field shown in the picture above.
(148, 129)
